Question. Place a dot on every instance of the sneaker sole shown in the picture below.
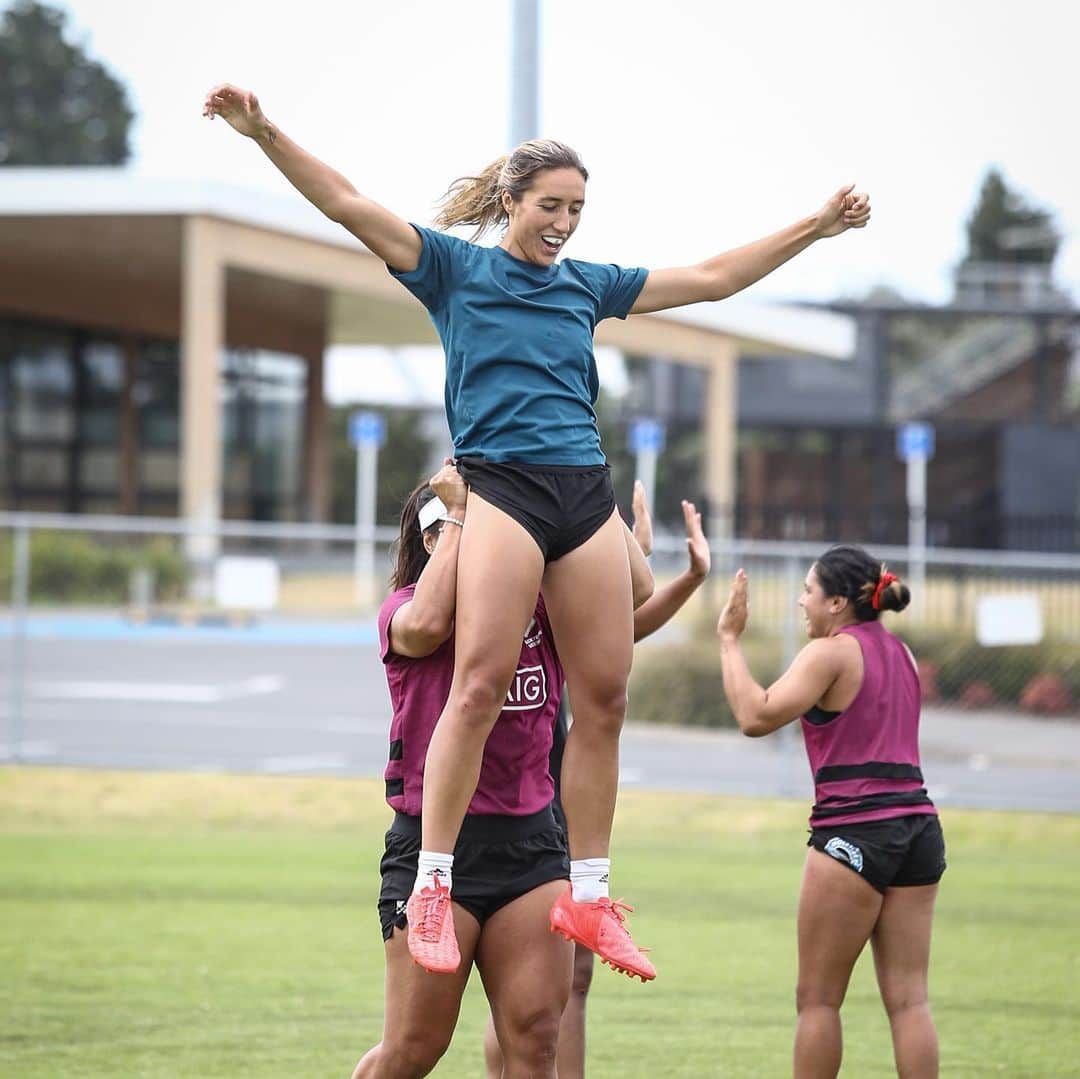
(631, 974)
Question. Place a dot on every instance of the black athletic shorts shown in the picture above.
(496, 860)
(560, 506)
(894, 853)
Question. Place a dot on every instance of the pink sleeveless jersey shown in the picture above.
(514, 776)
(865, 760)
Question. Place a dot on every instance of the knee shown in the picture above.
(899, 999)
(602, 707)
(533, 1038)
(479, 698)
(415, 1055)
(808, 995)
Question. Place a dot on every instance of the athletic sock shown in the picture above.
(430, 864)
(589, 879)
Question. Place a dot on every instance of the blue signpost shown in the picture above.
(645, 439)
(367, 432)
(915, 446)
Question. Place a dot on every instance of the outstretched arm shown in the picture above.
(664, 602)
(390, 237)
(731, 272)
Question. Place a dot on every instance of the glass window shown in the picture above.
(263, 396)
(102, 393)
(157, 393)
(42, 385)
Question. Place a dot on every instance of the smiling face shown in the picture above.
(545, 217)
(824, 614)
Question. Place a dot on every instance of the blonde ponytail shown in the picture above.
(477, 200)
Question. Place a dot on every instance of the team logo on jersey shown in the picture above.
(533, 633)
(843, 851)
(527, 690)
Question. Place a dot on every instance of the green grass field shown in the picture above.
(204, 926)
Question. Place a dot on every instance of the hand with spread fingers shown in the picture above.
(238, 108)
(847, 209)
(642, 519)
(736, 611)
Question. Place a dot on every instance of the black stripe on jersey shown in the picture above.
(831, 773)
(871, 801)
(397, 750)
(394, 787)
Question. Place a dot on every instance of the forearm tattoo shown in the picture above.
(271, 134)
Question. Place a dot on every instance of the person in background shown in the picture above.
(876, 847)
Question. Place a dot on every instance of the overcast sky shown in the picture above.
(704, 124)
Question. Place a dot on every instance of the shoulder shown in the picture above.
(834, 653)
(392, 604)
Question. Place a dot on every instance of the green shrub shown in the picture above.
(682, 683)
(72, 567)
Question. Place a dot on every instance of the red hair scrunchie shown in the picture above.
(884, 581)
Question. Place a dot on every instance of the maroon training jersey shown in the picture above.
(865, 760)
(514, 776)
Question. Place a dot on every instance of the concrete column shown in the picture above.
(720, 430)
(202, 332)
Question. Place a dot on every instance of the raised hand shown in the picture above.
(736, 611)
(238, 108)
(847, 209)
(696, 544)
(642, 519)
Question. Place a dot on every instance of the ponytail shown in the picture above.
(477, 200)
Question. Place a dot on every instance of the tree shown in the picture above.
(1004, 227)
(57, 106)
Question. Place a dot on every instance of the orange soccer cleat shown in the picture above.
(432, 941)
(600, 926)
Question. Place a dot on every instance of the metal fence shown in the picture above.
(118, 645)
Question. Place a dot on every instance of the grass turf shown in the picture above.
(192, 925)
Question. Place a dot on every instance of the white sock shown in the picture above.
(589, 879)
(428, 865)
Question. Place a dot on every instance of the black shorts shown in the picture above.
(895, 853)
(560, 506)
(496, 860)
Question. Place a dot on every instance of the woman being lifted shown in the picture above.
(517, 327)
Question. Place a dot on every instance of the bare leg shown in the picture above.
(499, 571)
(421, 1009)
(901, 944)
(526, 971)
(571, 1058)
(493, 1058)
(837, 912)
(588, 598)
(572, 1027)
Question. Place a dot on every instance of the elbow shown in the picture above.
(431, 633)
(752, 726)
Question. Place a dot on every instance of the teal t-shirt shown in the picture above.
(521, 377)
